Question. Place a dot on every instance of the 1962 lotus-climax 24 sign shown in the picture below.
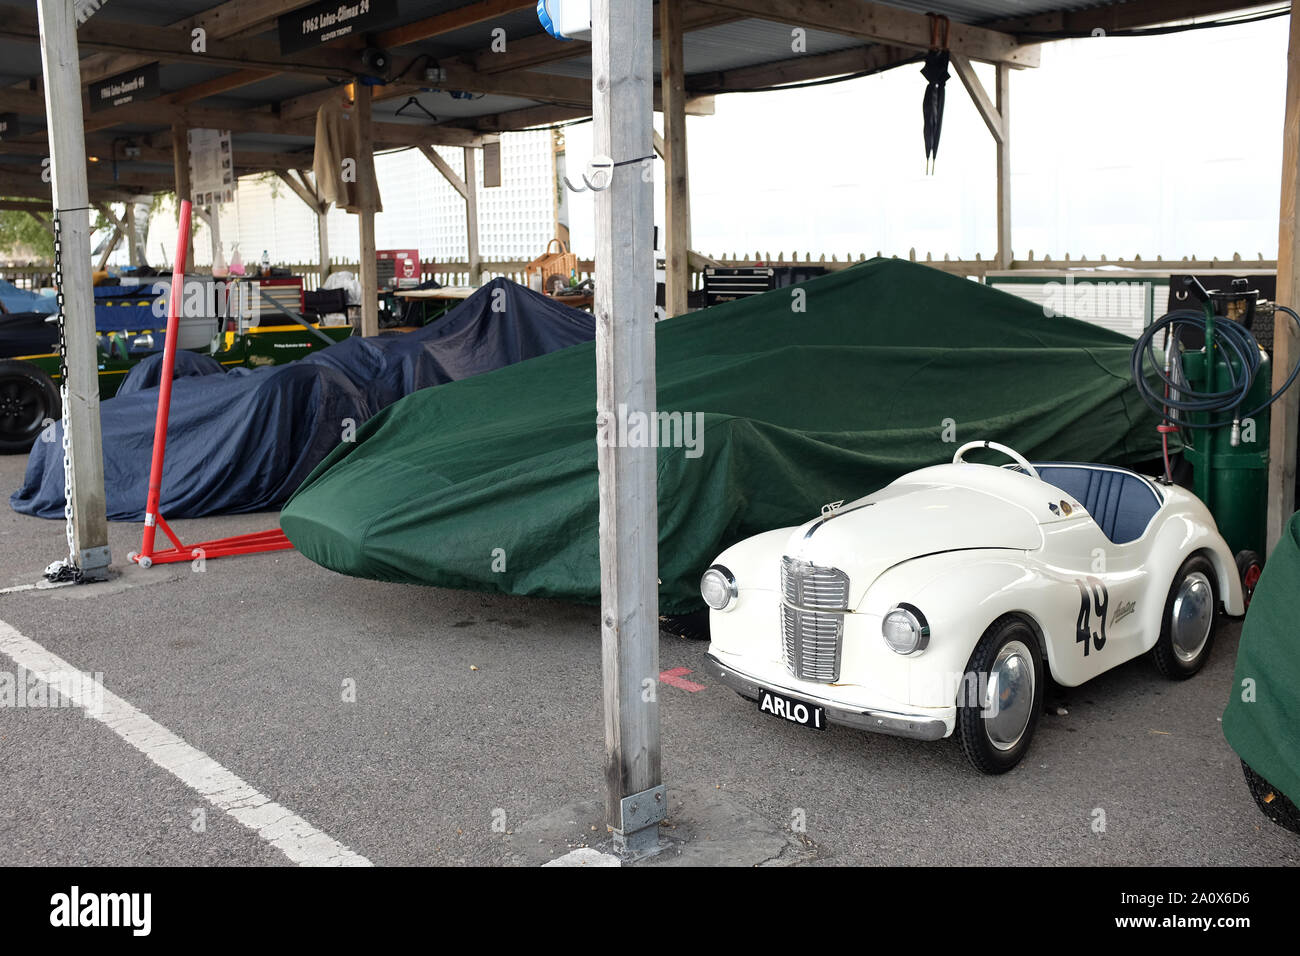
(939, 605)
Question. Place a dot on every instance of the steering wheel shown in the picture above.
(1011, 453)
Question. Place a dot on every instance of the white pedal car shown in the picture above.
(939, 604)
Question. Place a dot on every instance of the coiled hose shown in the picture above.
(1179, 397)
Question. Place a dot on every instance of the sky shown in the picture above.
(1121, 146)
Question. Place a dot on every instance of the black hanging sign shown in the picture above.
(329, 20)
(134, 86)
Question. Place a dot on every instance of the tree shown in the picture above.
(23, 236)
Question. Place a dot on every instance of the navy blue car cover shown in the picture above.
(245, 440)
(148, 373)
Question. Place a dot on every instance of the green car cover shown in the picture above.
(1262, 722)
(777, 404)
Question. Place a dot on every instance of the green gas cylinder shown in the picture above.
(1230, 463)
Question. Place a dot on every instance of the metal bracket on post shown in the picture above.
(93, 563)
(641, 814)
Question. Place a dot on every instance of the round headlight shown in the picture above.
(718, 587)
(905, 630)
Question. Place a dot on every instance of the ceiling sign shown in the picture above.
(330, 20)
(134, 86)
(8, 125)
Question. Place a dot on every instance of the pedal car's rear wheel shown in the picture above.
(1191, 614)
(1002, 696)
(1249, 565)
(1271, 802)
(27, 399)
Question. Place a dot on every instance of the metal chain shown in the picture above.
(70, 571)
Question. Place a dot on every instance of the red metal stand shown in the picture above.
(254, 543)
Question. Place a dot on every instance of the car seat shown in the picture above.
(1122, 502)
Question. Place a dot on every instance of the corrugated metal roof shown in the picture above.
(741, 43)
(978, 11)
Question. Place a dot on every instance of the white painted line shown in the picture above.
(19, 587)
(585, 856)
(287, 832)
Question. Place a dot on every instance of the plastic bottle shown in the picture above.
(266, 263)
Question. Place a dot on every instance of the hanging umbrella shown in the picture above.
(935, 72)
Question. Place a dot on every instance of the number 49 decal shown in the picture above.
(1094, 600)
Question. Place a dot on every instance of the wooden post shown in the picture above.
(369, 267)
(323, 239)
(132, 242)
(181, 168)
(1003, 96)
(677, 192)
(471, 217)
(80, 389)
(622, 100)
(1286, 343)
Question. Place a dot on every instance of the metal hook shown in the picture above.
(597, 167)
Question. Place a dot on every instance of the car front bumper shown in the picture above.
(896, 724)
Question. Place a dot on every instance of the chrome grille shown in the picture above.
(812, 619)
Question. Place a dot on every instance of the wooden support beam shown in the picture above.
(29, 178)
(111, 216)
(543, 48)
(168, 44)
(43, 220)
(995, 112)
(799, 69)
(323, 240)
(230, 19)
(71, 193)
(884, 24)
(1003, 106)
(113, 240)
(134, 242)
(444, 167)
(1285, 415)
(471, 217)
(1110, 17)
(459, 19)
(181, 168)
(988, 110)
(677, 194)
(300, 190)
(369, 268)
(622, 84)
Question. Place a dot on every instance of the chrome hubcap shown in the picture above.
(1192, 616)
(1009, 703)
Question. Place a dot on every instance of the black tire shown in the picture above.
(693, 626)
(1180, 661)
(988, 745)
(1249, 567)
(27, 399)
(1271, 801)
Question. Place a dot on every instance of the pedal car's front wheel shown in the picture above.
(1001, 698)
(1271, 802)
(1191, 614)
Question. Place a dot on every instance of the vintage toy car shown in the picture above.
(938, 605)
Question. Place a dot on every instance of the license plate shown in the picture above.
(795, 711)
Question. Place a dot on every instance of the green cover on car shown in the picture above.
(1262, 722)
(820, 392)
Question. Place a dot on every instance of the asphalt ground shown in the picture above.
(476, 735)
